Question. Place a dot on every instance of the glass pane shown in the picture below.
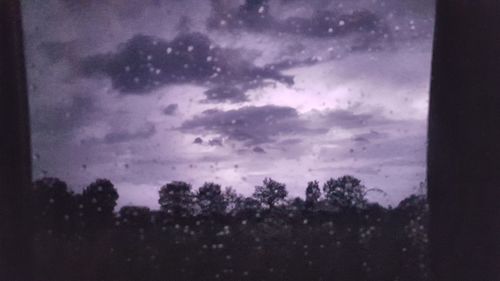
(229, 140)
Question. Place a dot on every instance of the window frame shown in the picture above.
(16, 256)
(463, 151)
(463, 156)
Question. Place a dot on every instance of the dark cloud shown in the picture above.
(258, 149)
(198, 140)
(331, 24)
(170, 109)
(251, 124)
(254, 125)
(255, 15)
(369, 136)
(215, 142)
(145, 63)
(225, 94)
(123, 136)
(291, 63)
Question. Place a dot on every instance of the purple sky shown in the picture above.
(145, 92)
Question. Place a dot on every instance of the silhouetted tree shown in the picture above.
(98, 201)
(297, 204)
(345, 192)
(411, 216)
(134, 216)
(270, 193)
(413, 206)
(247, 207)
(211, 200)
(176, 199)
(54, 204)
(313, 193)
(231, 198)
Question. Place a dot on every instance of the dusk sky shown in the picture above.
(144, 92)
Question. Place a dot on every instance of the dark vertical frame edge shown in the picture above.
(16, 252)
(464, 142)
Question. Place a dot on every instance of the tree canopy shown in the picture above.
(271, 193)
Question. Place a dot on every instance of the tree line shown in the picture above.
(211, 233)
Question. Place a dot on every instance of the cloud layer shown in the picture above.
(145, 63)
(256, 15)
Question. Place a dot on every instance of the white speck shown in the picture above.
(149, 57)
(261, 9)
(209, 58)
(190, 48)
(341, 23)
(169, 50)
(330, 30)
(223, 22)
